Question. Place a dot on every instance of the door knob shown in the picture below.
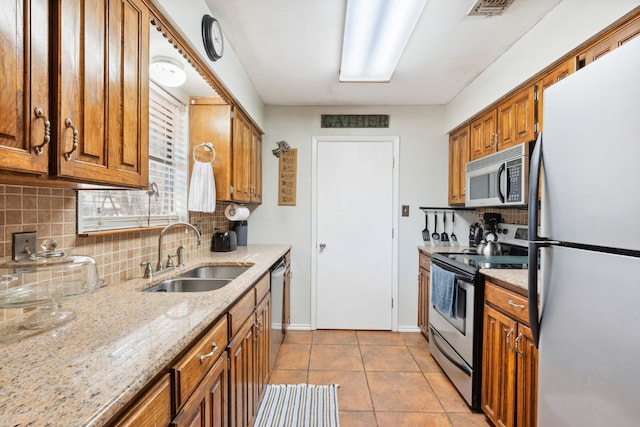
(322, 246)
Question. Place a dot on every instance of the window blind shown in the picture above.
(165, 200)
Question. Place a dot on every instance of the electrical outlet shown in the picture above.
(23, 245)
(405, 210)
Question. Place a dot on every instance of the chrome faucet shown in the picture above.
(159, 265)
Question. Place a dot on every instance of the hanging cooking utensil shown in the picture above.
(435, 235)
(425, 233)
(453, 227)
(444, 237)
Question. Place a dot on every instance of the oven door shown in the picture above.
(458, 331)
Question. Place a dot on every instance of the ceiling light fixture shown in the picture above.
(375, 35)
(167, 71)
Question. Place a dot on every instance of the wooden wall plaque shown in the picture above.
(287, 177)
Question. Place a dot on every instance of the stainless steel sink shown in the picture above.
(216, 272)
(189, 284)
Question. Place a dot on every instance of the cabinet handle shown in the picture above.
(513, 304)
(508, 340)
(69, 124)
(39, 149)
(214, 348)
(491, 138)
(497, 136)
(258, 326)
(520, 336)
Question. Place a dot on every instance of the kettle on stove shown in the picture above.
(489, 245)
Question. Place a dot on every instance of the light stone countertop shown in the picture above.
(82, 373)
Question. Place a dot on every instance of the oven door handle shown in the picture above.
(464, 279)
(457, 364)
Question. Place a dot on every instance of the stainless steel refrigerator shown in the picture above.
(588, 241)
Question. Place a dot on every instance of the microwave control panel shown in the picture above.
(514, 180)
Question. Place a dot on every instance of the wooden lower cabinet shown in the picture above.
(153, 409)
(424, 272)
(263, 335)
(207, 406)
(509, 361)
(241, 376)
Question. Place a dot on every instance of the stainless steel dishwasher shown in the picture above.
(278, 316)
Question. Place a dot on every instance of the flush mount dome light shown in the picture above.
(167, 71)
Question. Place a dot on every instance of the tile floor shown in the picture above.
(386, 379)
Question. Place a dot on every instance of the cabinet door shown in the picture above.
(242, 140)
(516, 119)
(263, 326)
(423, 302)
(458, 158)
(241, 376)
(256, 167)
(527, 385)
(153, 409)
(483, 134)
(554, 76)
(498, 367)
(102, 90)
(24, 86)
(615, 40)
(207, 406)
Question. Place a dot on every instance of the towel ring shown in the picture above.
(208, 147)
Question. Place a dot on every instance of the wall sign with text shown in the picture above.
(354, 121)
(287, 177)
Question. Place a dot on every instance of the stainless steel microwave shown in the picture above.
(499, 179)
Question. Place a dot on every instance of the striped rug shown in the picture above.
(298, 405)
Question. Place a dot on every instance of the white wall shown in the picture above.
(186, 15)
(423, 182)
(567, 26)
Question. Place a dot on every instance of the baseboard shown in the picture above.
(299, 327)
(408, 329)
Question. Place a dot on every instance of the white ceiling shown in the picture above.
(291, 49)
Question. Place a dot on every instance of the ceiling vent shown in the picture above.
(488, 7)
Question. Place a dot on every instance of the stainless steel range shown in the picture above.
(455, 333)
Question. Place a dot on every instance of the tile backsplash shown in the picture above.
(51, 212)
(509, 216)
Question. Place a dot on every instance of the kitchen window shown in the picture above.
(165, 200)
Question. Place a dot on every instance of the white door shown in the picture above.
(354, 234)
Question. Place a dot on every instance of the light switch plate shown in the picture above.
(23, 245)
(405, 210)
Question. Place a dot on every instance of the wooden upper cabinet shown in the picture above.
(552, 77)
(102, 90)
(242, 141)
(24, 86)
(619, 37)
(483, 133)
(517, 119)
(256, 167)
(458, 158)
(238, 144)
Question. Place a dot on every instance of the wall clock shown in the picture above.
(212, 37)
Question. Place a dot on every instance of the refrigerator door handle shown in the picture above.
(535, 241)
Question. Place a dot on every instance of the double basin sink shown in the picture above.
(201, 279)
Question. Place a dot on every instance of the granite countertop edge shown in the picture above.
(84, 372)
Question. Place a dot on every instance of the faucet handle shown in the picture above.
(170, 260)
(148, 270)
(180, 256)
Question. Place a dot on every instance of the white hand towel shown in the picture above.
(202, 188)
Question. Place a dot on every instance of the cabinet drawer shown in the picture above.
(195, 364)
(152, 409)
(262, 287)
(241, 312)
(509, 302)
(424, 261)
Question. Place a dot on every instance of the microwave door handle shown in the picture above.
(499, 183)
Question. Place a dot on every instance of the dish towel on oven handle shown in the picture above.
(202, 188)
(443, 290)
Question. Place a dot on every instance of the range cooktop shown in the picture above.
(496, 261)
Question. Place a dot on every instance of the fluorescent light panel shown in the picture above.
(375, 35)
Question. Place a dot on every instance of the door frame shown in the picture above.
(315, 140)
